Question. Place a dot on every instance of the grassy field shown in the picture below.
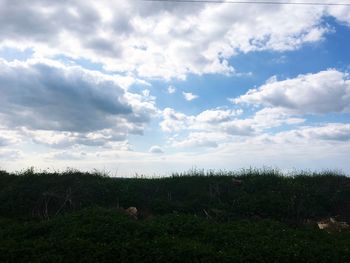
(251, 216)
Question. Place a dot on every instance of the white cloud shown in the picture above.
(171, 89)
(64, 106)
(10, 155)
(162, 40)
(310, 147)
(217, 115)
(340, 13)
(146, 92)
(285, 150)
(8, 137)
(199, 139)
(62, 139)
(284, 101)
(67, 156)
(60, 105)
(213, 127)
(174, 121)
(273, 117)
(156, 149)
(324, 92)
(335, 132)
(189, 96)
(227, 121)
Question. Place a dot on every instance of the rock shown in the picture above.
(132, 211)
(322, 225)
(331, 225)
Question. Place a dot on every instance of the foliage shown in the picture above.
(195, 217)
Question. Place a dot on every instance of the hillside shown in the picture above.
(252, 216)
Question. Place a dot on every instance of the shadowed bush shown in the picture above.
(251, 216)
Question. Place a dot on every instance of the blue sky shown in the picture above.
(154, 88)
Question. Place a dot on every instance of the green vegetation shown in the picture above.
(252, 216)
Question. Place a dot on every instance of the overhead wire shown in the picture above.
(251, 2)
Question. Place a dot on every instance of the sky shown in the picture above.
(135, 87)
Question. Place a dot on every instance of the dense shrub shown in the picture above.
(78, 217)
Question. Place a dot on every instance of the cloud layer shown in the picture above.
(162, 40)
(54, 110)
(277, 104)
(64, 105)
(324, 92)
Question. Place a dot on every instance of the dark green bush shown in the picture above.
(78, 217)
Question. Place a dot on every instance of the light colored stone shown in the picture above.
(132, 211)
(332, 225)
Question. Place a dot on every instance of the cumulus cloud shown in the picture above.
(213, 127)
(324, 92)
(60, 106)
(283, 102)
(189, 96)
(4, 142)
(65, 156)
(273, 117)
(162, 40)
(174, 121)
(155, 149)
(8, 137)
(227, 121)
(295, 149)
(171, 89)
(217, 115)
(199, 139)
(341, 14)
(65, 105)
(329, 132)
(10, 155)
(59, 139)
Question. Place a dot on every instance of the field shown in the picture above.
(247, 216)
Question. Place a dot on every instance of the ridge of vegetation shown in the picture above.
(250, 216)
